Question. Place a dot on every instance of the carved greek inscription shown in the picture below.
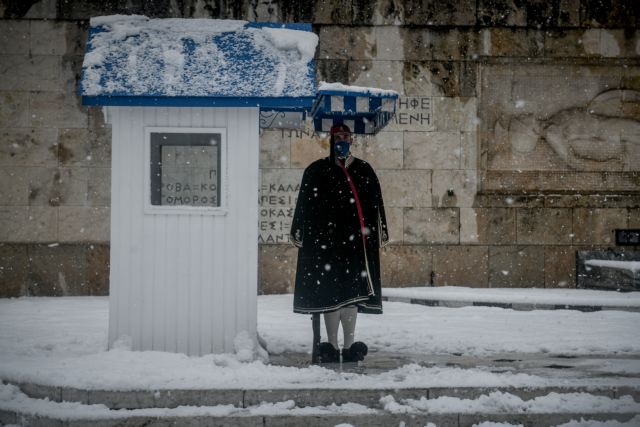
(299, 133)
(413, 114)
(277, 205)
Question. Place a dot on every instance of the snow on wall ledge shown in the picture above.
(138, 56)
(339, 87)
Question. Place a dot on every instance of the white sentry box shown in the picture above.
(183, 263)
(184, 99)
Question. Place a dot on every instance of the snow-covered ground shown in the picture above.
(407, 328)
(62, 342)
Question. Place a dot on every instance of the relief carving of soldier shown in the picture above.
(604, 135)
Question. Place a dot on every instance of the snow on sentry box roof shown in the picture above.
(135, 60)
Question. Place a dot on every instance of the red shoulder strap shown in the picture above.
(358, 205)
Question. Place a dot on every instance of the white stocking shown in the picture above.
(332, 322)
(348, 316)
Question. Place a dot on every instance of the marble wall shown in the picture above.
(516, 143)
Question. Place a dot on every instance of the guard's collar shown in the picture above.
(347, 161)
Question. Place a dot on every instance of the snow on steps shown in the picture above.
(355, 420)
(318, 407)
(139, 399)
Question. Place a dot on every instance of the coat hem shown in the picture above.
(369, 308)
(328, 309)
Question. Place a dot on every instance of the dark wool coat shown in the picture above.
(335, 266)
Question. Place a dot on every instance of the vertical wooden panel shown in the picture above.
(244, 151)
(195, 234)
(180, 283)
(128, 302)
(207, 305)
(216, 118)
(204, 247)
(230, 235)
(251, 219)
(149, 273)
(159, 283)
(120, 194)
(160, 268)
(173, 252)
(115, 273)
(136, 220)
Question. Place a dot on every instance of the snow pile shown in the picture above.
(12, 399)
(128, 370)
(293, 40)
(137, 56)
(633, 422)
(633, 266)
(492, 424)
(501, 403)
(519, 296)
(246, 349)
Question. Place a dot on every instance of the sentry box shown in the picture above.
(185, 99)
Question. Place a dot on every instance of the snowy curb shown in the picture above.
(244, 398)
(522, 299)
(513, 306)
(369, 420)
(552, 409)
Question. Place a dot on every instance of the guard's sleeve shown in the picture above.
(383, 233)
(382, 226)
(297, 224)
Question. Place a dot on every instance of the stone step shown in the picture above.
(282, 407)
(379, 418)
(243, 398)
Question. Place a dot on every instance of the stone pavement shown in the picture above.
(539, 364)
(558, 367)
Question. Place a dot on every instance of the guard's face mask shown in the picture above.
(341, 148)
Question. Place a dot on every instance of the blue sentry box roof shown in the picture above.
(365, 110)
(137, 61)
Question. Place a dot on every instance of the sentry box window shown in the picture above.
(186, 170)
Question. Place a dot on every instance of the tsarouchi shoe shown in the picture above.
(355, 353)
(328, 353)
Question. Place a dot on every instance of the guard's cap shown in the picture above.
(341, 127)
